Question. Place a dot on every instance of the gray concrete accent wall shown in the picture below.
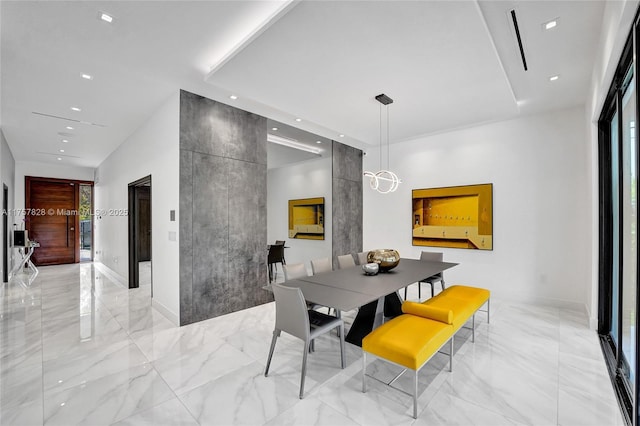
(223, 213)
(347, 200)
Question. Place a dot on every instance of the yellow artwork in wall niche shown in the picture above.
(306, 218)
(455, 216)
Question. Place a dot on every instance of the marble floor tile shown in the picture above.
(189, 369)
(139, 319)
(107, 399)
(242, 397)
(448, 410)
(63, 373)
(578, 372)
(500, 384)
(23, 332)
(24, 317)
(344, 394)
(72, 337)
(311, 412)
(173, 341)
(21, 351)
(584, 342)
(170, 413)
(20, 385)
(255, 342)
(29, 414)
(578, 408)
(78, 347)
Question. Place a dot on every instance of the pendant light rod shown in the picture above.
(390, 179)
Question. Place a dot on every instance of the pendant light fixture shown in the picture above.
(383, 181)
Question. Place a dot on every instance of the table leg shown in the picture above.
(379, 316)
(371, 316)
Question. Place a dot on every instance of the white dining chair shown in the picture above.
(362, 257)
(321, 265)
(294, 271)
(346, 261)
(293, 317)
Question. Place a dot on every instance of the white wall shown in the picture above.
(7, 175)
(302, 180)
(152, 150)
(541, 220)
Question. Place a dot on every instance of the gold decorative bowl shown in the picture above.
(387, 259)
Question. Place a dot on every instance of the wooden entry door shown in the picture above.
(54, 204)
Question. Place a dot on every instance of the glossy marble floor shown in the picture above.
(78, 348)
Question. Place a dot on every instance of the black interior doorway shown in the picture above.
(139, 228)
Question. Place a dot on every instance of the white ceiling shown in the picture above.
(279, 155)
(446, 65)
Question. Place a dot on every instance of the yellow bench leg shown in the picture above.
(415, 394)
(364, 372)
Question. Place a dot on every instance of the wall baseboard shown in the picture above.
(119, 279)
(593, 323)
(175, 320)
(568, 305)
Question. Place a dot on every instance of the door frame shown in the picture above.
(133, 235)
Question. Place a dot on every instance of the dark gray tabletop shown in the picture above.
(343, 300)
(347, 289)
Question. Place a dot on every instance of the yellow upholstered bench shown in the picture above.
(464, 302)
(410, 340)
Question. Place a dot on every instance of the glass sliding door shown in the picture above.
(618, 235)
(615, 228)
(628, 232)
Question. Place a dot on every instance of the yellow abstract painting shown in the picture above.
(455, 216)
(306, 218)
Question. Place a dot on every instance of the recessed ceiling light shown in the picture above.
(551, 24)
(318, 141)
(298, 119)
(234, 97)
(106, 17)
(274, 128)
(87, 76)
(69, 128)
(342, 136)
(65, 140)
(75, 109)
(61, 150)
(59, 158)
(554, 77)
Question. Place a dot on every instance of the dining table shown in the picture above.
(375, 296)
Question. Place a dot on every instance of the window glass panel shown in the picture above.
(615, 228)
(628, 235)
